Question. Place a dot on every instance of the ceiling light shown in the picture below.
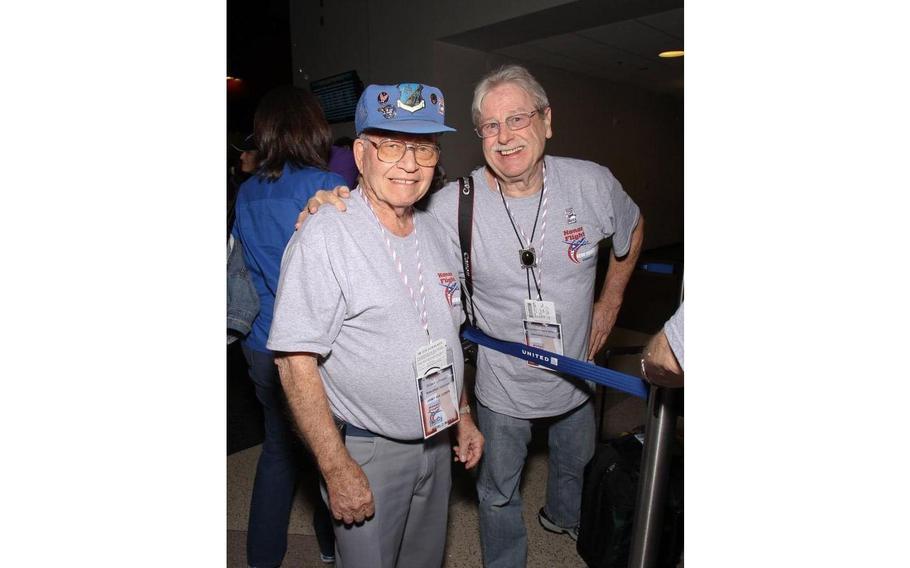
(670, 53)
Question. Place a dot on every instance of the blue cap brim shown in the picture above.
(413, 127)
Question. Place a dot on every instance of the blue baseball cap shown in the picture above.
(407, 107)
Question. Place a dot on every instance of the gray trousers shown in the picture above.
(410, 485)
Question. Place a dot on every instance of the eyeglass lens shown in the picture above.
(392, 150)
(514, 122)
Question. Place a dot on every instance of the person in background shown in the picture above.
(247, 161)
(293, 141)
(662, 359)
(341, 161)
(248, 155)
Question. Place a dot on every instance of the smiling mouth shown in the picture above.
(510, 151)
(403, 181)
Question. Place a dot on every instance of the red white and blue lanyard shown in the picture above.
(396, 261)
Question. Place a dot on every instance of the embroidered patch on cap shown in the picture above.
(411, 98)
(388, 111)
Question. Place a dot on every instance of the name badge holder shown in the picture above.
(437, 394)
(542, 328)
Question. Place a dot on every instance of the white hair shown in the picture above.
(508, 74)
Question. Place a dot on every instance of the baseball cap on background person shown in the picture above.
(413, 108)
(248, 155)
(246, 145)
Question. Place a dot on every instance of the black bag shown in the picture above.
(608, 502)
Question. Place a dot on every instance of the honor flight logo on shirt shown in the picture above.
(576, 239)
(450, 284)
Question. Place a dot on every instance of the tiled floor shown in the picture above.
(463, 541)
(463, 545)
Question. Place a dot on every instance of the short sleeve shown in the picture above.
(309, 304)
(625, 215)
(673, 329)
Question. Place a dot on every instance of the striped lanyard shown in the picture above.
(422, 306)
(538, 280)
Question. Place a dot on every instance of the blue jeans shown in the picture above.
(503, 539)
(277, 473)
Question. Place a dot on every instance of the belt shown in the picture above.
(348, 429)
(351, 430)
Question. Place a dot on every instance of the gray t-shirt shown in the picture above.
(673, 329)
(341, 297)
(585, 204)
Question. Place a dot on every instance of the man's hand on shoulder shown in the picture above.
(322, 197)
(350, 497)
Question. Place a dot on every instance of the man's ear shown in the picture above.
(359, 148)
(547, 120)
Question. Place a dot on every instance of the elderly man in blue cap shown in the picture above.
(366, 337)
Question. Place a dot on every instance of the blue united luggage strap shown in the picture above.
(556, 362)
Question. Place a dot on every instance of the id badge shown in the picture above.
(542, 328)
(436, 390)
(540, 311)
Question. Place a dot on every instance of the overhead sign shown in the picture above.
(338, 95)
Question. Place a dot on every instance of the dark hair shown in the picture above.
(290, 127)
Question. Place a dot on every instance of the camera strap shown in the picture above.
(465, 229)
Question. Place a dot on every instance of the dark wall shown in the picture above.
(258, 52)
(638, 134)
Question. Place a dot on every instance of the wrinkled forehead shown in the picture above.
(508, 98)
(376, 135)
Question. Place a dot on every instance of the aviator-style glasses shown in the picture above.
(391, 151)
(514, 122)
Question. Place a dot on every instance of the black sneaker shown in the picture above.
(549, 525)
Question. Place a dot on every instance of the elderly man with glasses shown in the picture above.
(366, 333)
(538, 221)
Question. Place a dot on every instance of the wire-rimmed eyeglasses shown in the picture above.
(514, 122)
